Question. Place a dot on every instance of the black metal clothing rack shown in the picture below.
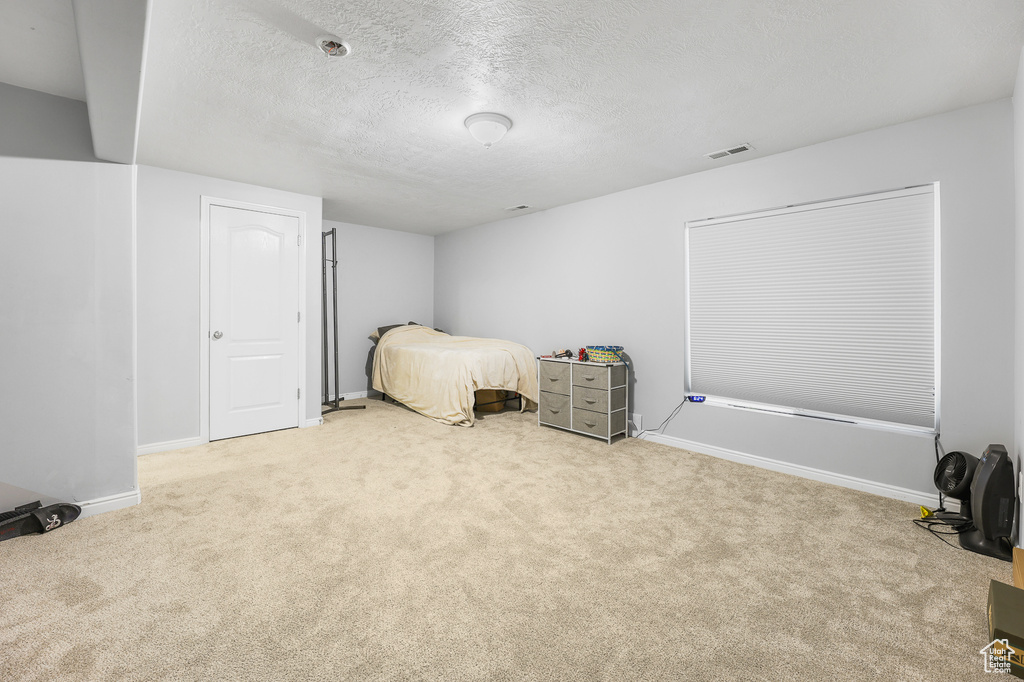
(331, 405)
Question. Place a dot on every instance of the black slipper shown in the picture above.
(35, 518)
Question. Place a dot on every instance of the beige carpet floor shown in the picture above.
(384, 546)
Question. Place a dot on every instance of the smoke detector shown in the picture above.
(333, 46)
(722, 153)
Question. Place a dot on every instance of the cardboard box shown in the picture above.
(1006, 627)
(495, 400)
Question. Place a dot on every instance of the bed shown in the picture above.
(437, 374)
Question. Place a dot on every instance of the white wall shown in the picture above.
(168, 295)
(610, 271)
(67, 427)
(41, 126)
(384, 277)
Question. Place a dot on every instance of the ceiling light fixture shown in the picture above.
(487, 128)
(333, 46)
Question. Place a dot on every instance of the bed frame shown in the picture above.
(515, 396)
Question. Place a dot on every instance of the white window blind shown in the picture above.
(826, 309)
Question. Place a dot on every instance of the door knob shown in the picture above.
(217, 335)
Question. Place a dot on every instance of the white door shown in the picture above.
(254, 325)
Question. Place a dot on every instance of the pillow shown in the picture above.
(381, 331)
(436, 329)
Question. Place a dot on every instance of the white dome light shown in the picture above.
(488, 128)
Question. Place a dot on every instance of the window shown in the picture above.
(825, 310)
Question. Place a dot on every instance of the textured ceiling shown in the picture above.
(39, 47)
(604, 95)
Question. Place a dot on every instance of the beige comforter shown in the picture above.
(437, 374)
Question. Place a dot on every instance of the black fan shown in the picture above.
(987, 499)
(993, 502)
(953, 477)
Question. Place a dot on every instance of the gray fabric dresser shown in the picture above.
(584, 397)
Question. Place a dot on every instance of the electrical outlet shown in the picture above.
(638, 422)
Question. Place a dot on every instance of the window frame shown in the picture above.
(789, 411)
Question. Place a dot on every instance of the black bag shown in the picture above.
(35, 518)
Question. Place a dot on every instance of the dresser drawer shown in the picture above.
(554, 409)
(554, 377)
(594, 399)
(591, 376)
(594, 423)
(599, 400)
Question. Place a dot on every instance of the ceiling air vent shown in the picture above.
(721, 154)
(520, 207)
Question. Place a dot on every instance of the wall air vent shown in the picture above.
(721, 154)
(520, 207)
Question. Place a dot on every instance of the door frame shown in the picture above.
(206, 202)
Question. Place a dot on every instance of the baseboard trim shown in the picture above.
(864, 485)
(353, 396)
(102, 505)
(153, 448)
